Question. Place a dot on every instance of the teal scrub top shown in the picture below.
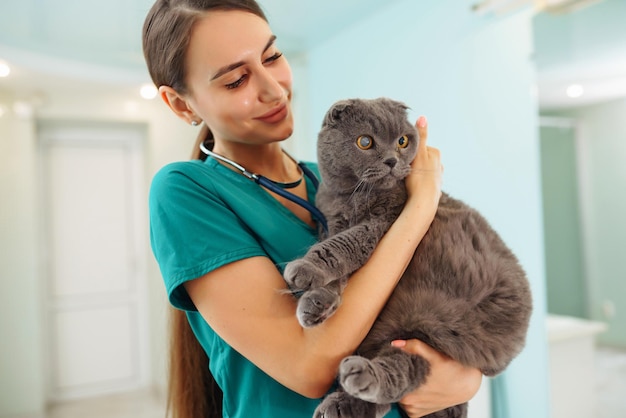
(203, 215)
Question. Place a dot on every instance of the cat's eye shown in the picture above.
(364, 142)
(403, 141)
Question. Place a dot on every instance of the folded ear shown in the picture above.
(336, 112)
(400, 106)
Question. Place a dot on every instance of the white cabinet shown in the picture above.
(571, 358)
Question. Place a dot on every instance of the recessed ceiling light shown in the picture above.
(574, 91)
(5, 70)
(148, 91)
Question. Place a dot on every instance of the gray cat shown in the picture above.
(464, 293)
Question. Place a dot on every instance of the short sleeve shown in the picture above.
(192, 230)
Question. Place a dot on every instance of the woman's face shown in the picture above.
(239, 82)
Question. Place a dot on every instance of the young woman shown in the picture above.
(221, 239)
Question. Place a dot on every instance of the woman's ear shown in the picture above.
(177, 103)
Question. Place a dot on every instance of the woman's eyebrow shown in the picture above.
(227, 68)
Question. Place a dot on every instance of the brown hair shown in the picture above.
(192, 391)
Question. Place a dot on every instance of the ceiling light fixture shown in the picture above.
(574, 91)
(5, 70)
(148, 91)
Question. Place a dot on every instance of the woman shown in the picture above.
(221, 239)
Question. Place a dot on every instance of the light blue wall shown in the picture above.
(565, 274)
(473, 78)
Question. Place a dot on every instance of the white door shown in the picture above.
(93, 213)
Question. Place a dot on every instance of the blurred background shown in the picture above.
(525, 98)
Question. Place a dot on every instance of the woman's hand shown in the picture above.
(424, 183)
(448, 384)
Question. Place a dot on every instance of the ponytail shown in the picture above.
(192, 390)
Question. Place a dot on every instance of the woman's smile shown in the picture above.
(277, 114)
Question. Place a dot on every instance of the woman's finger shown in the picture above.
(422, 130)
(414, 346)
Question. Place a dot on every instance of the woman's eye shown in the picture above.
(273, 58)
(236, 84)
(364, 142)
(403, 141)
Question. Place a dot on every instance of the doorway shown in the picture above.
(93, 212)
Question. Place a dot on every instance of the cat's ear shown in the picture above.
(398, 105)
(337, 110)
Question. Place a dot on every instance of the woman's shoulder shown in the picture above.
(180, 169)
(181, 175)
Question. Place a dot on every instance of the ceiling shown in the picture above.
(91, 44)
(69, 42)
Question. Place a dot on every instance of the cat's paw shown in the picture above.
(358, 378)
(302, 275)
(342, 405)
(316, 305)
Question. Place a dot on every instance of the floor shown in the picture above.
(610, 384)
(143, 404)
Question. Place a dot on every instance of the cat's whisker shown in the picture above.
(356, 188)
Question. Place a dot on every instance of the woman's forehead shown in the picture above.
(224, 37)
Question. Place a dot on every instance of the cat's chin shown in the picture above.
(387, 183)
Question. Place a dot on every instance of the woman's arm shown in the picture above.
(245, 304)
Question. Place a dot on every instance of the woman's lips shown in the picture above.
(275, 115)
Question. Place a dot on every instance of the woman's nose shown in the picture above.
(270, 90)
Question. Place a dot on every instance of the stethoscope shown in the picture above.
(276, 187)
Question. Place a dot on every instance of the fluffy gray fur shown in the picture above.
(464, 292)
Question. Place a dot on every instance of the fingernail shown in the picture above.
(422, 122)
(398, 343)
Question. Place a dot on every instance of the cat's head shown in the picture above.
(366, 143)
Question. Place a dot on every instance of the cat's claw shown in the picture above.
(316, 305)
(358, 378)
(302, 275)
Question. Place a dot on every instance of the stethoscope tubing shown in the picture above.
(270, 185)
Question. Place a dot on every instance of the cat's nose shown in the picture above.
(391, 162)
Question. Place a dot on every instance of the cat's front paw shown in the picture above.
(358, 377)
(342, 405)
(316, 305)
(302, 275)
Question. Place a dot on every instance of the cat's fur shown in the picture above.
(464, 292)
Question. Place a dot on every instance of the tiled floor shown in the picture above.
(610, 396)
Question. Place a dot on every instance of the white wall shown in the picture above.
(22, 385)
(473, 78)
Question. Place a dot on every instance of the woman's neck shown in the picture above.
(268, 160)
